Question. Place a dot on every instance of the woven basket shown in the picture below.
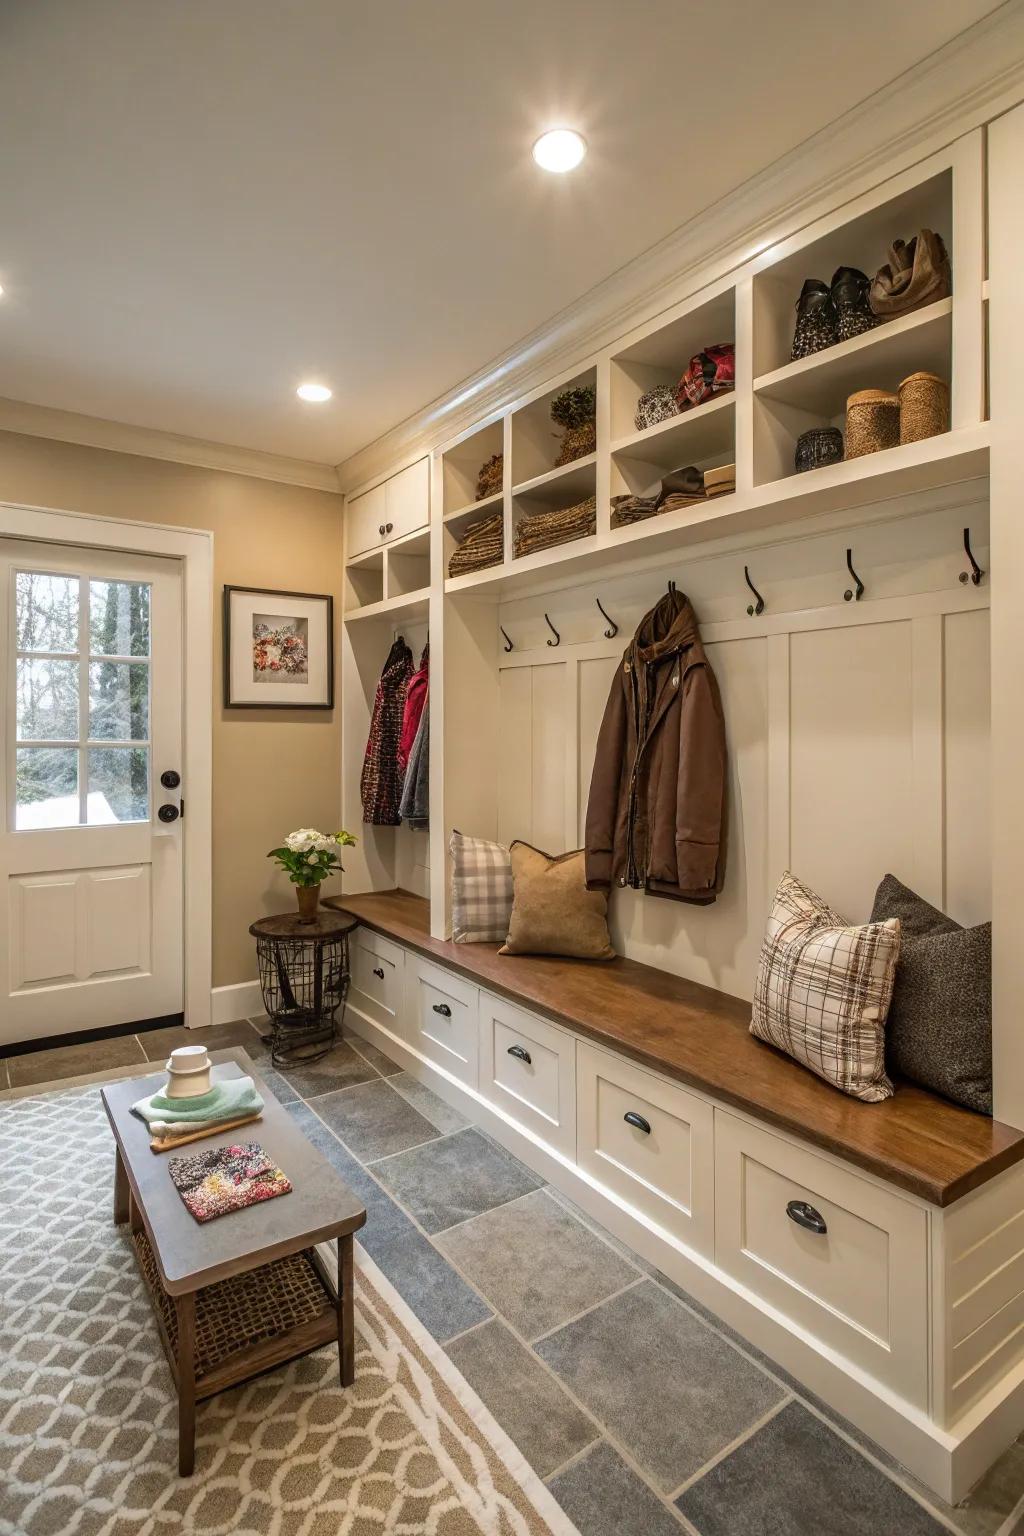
(489, 480)
(872, 422)
(817, 447)
(234, 1314)
(577, 442)
(924, 407)
(658, 404)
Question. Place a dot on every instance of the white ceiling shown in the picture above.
(205, 202)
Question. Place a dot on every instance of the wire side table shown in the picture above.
(304, 976)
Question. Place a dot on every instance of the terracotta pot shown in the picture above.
(309, 902)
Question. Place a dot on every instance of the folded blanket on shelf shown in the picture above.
(542, 530)
(632, 509)
(227, 1100)
(481, 545)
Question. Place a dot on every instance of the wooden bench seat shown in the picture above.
(915, 1140)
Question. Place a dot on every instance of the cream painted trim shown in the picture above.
(194, 548)
(150, 443)
(242, 1000)
(970, 81)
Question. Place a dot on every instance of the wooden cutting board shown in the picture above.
(168, 1143)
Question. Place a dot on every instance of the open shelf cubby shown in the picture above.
(663, 356)
(461, 466)
(536, 439)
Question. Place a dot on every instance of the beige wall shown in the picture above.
(273, 770)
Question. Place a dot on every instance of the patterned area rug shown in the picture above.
(88, 1418)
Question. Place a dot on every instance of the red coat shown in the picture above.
(415, 698)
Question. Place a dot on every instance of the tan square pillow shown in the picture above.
(553, 913)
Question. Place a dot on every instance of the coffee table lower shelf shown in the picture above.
(249, 1323)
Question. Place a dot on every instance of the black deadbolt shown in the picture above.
(168, 813)
(170, 778)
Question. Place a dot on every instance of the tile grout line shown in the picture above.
(456, 1225)
(473, 1328)
(613, 1296)
(734, 1445)
(416, 1146)
(571, 1461)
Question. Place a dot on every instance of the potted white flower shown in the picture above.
(308, 857)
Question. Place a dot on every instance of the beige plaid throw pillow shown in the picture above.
(823, 990)
(481, 890)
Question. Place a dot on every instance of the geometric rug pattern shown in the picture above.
(88, 1414)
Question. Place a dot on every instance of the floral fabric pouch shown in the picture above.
(226, 1179)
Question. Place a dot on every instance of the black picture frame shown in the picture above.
(274, 592)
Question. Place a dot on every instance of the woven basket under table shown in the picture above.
(235, 1314)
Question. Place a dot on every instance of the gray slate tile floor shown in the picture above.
(643, 1414)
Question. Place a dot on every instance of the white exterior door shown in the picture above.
(91, 841)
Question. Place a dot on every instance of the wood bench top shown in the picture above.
(701, 1037)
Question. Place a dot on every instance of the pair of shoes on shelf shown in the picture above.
(833, 312)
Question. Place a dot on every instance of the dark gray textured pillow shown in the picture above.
(939, 1031)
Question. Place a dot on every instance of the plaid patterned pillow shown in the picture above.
(823, 990)
(481, 890)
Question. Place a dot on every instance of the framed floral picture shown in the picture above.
(278, 649)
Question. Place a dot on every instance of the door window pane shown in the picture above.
(47, 699)
(119, 618)
(46, 611)
(47, 787)
(118, 701)
(118, 784)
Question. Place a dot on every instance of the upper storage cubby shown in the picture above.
(673, 403)
(469, 474)
(849, 348)
(543, 443)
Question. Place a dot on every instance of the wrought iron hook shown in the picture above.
(508, 642)
(613, 629)
(558, 639)
(753, 608)
(851, 595)
(975, 573)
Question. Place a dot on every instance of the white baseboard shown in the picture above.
(243, 1000)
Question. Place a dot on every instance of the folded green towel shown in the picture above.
(226, 1100)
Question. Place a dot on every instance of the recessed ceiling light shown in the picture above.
(560, 149)
(313, 392)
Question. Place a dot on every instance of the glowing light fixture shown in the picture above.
(560, 149)
(314, 393)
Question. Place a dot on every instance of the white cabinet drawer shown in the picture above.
(860, 1285)
(376, 986)
(527, 1069)
(649, 1141)
(407, 500)
(366, 518)
(442, 1018)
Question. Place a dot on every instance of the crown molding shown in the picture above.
(148, 443)
(974, 78)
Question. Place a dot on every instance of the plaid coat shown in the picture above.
(381, 782)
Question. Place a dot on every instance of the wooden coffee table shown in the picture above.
(220, 1323)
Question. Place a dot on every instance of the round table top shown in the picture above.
(327, 924)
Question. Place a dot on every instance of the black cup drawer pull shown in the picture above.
(632, 1118)
(378, 971)
(807, 1217)
(443, 1010)
(520, 1055)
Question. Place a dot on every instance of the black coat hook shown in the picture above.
(975, 573)
(613, 629)
(753, 608)
(558, 639)
(671, 588)
(508, 642)
(851, 595)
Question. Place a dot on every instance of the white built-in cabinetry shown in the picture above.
(866, 732)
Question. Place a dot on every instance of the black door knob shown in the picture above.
(170, 778)
(168, 813)
(380, 529)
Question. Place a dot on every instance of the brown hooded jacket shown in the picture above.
(656, 815)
